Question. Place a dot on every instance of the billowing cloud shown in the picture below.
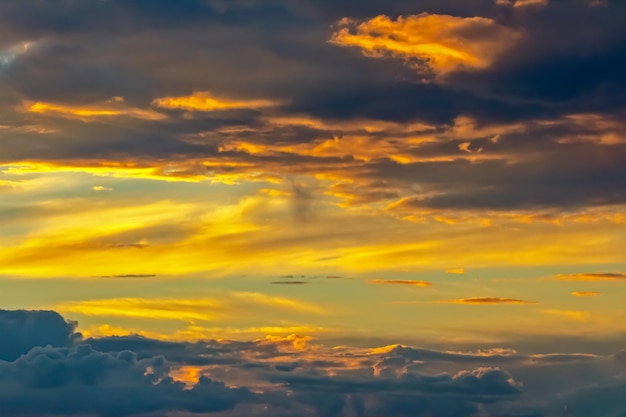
(23, 330)
(275, 376)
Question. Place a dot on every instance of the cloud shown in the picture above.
(438, 43)
(585, 293)
(291, 282)
(199, 309)
(488, 301)
(414, 283)
(294, 375)
(129, 276)
(101, 188)
(23, 330)
(591, 277)
(114, 107)
(81, 381)
(456, 271)
(570, 314)
(205, 102)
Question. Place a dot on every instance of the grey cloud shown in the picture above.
(23, 330)
(396, 381)
(81, 381)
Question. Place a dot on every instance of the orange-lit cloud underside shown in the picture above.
(444, 43)
(206, 102)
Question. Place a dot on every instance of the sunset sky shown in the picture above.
(326, 208)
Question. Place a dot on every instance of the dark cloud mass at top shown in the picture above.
(554, 97)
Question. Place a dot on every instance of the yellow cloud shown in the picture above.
(205, 102)
(456, 271)
(115, 107)
(101, 188)
(205, 309)
(445, 43)
(202, 309)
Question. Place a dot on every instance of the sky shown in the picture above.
(313, 208)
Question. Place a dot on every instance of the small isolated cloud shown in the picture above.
(456, 271)
(290, 282)
(609, 276)
(101, 188)
(206, 102)
(488, 301)
(129, 276)
(585, 293)
(401, 282)
(441, 43)
(522, 3)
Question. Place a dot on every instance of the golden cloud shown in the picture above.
(204, 309)
(444, 43)
(206, 102)
(114, 107)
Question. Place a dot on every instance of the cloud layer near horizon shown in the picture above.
(281, 376)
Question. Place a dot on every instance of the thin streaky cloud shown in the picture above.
(487, 301)
(606, 276)
(585, 293)
(401, 282)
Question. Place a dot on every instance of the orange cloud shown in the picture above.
(114, 107)
(401, 282)
(444, 43)
(205, 102)
(456, 271)
(488, 301)
(585, 293)
(592, 277)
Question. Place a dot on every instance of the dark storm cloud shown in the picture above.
(23, 330)
(82, 381)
